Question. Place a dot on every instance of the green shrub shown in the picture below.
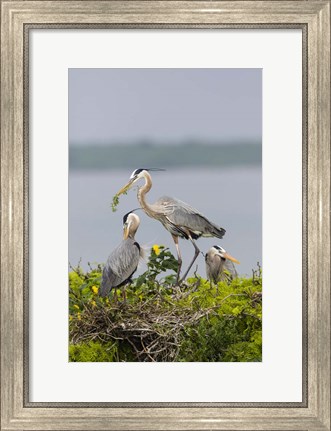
(93, 352)
(196, 322)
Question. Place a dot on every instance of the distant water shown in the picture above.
(231, 198)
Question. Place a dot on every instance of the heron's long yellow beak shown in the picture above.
(126, 230)
(125, 188)
(228, 256)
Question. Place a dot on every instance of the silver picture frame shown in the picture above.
(18, 18)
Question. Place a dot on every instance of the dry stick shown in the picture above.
(155, 344)
(134, 347)
(145, 350)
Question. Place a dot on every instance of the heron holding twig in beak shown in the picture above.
(179, 218)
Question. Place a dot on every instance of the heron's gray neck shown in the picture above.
(143, 203)
(142, 191)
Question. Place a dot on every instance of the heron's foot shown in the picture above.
(178, 281)
(122, 305)
(177, 292)
(185, 286)
(181, 281)
(176, 287)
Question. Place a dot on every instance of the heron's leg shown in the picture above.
(179, 257)
(124, 293)
(196, 254)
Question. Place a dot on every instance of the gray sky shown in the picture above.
(125, 105)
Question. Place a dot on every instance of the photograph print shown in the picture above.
(165, 215)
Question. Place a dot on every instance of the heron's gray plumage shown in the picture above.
(123, 261)
(179, 218)
(120, 266)
(229, 270)
(219, 268)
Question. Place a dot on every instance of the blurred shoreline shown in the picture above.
(187, 154)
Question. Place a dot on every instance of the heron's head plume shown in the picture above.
(125, 217)
(139, 173)
(217, 249)
(131, 223)
(135, 176)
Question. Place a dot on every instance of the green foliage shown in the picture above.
(115, 202)
(196, 322)
(246, 351)
(160, 260)
(93, 352)
(83, 289)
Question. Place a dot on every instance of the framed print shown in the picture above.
(222, 105)
(135, 100)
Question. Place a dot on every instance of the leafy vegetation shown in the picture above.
(116, 201)
(196, 322)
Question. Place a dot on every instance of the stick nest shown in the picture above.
(154, 333)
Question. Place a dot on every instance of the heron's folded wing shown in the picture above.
(213, 266)
(121, 264)
(230, 268)
(185, 215)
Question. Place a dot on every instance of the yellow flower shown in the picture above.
(78, 316)
(70, 317)
(95, 289)
(76, 306)
(156, 249)
(94, 303)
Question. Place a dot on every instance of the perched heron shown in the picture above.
(123, 261)
(219, 265)
(179, 218)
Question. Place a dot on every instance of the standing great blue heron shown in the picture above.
(179, 218)
(219, 265)
(123, 261)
